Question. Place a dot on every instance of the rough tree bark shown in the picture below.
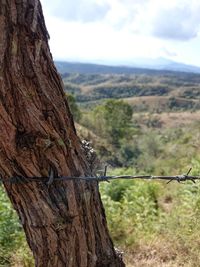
(65, 224)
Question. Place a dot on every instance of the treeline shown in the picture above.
(121, 91)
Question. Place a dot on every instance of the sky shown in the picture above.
(118, 31)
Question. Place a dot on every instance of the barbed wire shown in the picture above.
(101, 178)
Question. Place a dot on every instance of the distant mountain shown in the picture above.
(164, 64)
(136, 66)
(90, 68)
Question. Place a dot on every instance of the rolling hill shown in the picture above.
(161, 91)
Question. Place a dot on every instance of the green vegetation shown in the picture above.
(13, 247)
(144, 141)
(154, 223)
(113, 120)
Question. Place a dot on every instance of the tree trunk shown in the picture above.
(65, 222)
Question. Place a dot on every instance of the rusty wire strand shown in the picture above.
(101, 178)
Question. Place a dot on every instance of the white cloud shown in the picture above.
(179, 21)
(170, 19)
(124, 12)
(123, 29)
(77, 10)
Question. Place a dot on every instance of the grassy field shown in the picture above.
(155, 224)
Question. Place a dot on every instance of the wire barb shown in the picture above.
(105, 174)
(183, 177)
(189, 171)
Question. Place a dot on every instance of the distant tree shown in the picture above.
(113, 119)
(173, 103)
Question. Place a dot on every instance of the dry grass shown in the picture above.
(175, 119)
(160, 254)
(157, 102)
(169, 119)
